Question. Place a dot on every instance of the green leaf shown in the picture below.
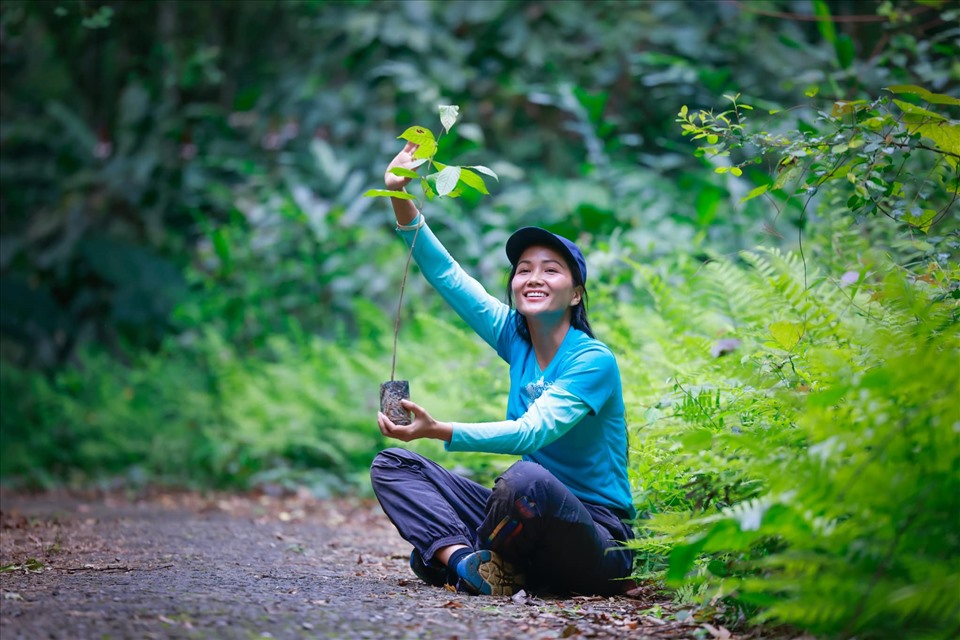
(427, 149)
(811, 91)
(737, 171)
(786, 175)
(846, 107)
(924, 94)
(682, 558)
(386, 193)
(713, 138)
(447, 180)
(827, 397)
(944, 135)
(917, 115)
(417, 135)
(427, 189)
(844, 49)
(697, 440)
(824, 21)
(786, 334)
(448, 115)
(221, 244)
(921, 222)
(473, 181)
(759, 191)
(485, 170)
(404, 173)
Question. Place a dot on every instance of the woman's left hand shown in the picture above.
(423, 425)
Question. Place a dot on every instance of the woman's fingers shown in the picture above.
(409, 405)
(391, 430)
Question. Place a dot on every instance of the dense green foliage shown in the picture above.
(194, 291)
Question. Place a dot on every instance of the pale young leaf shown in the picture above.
(447, 180)
(485, 171)
(448, 115)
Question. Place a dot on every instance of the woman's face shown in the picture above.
(542, 285)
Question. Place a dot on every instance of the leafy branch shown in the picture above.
(862, 142)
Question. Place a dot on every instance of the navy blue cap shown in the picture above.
(535, 236)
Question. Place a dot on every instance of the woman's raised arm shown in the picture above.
(405, 210)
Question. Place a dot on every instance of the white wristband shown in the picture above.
(415, 224)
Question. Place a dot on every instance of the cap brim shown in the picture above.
(531, 236)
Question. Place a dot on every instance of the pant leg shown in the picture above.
(430, 506)
(536, 523)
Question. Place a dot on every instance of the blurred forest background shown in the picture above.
(194, 292)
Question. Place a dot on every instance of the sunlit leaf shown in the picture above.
(786, 334)
(924, 94)
(426, 150)
(917, 115)
(404, 172)
(759, 191)
(417, 135)
(427, 189)
(386, 193)
(473, 181)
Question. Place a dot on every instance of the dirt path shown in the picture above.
(190, 566)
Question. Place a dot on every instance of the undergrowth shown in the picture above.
(793, 423)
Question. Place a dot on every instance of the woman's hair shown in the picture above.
(578, 317)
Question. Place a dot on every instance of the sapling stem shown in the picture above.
(403, 285)
(406, 270)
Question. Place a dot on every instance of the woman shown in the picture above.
(557, 519)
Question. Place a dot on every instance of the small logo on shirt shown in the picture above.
(530, 392)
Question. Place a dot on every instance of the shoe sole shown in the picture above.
(486, 573)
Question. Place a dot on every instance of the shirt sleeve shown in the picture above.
(592, 376)
(482, 312)
(552, 415)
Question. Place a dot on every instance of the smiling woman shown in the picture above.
(557, 519)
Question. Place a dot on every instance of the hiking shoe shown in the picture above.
(435, 576)
(486, 573)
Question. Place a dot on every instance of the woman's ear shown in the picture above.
(577, 296)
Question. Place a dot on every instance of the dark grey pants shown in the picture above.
(530, 518)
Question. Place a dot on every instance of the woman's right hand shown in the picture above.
(403, 159)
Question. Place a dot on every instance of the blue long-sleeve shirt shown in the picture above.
(569, 418)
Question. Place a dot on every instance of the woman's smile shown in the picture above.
(543, 283)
